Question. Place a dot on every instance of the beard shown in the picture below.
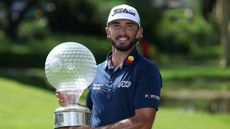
(123, 48)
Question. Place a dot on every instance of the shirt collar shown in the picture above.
(110, 65)
(131, 59)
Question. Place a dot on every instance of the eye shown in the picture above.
(131, 25)
(116, 26)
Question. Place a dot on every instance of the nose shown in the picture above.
(122, 30)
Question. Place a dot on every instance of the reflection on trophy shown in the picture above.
(70, 67)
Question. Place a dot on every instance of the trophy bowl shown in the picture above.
(70, 67)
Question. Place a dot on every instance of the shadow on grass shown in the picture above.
(31, 77)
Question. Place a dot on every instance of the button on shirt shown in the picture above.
(117, 92)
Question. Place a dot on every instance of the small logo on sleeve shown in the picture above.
(151, 96)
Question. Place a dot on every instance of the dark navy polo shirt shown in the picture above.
(115, 94)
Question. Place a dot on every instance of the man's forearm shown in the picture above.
(143, 119)
(124, 124)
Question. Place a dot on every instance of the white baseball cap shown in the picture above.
(124, 12)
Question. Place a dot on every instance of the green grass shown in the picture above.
(192, 80)
(180, 119)
(195, 78)
(26, 107)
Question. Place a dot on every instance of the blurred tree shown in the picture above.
(75, 16)
(222, 9)
(207, 8)
(150, 18)
(170, 30)
(181, 29)
(16, 12)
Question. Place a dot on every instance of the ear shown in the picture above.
(139, 33)
(107, 31)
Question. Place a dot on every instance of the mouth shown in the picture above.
(122, 38)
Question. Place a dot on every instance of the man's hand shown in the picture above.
(63, 99)
(82, 127)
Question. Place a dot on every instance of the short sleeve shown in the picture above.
(148, 86)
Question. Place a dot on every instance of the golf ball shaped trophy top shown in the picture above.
(70, 67)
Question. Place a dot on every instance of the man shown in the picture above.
(126, 90)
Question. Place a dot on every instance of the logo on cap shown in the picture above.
(123, 10)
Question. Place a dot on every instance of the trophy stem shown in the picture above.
(73, 95)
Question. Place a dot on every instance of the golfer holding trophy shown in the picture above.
(124, 94)
(70, 68)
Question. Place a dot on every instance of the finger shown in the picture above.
(83, 127)
(58, 93)
(61, 98)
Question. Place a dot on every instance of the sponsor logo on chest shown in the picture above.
(97, 86)
(124, 84)
(121, 84)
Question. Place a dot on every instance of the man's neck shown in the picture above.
(119, 56)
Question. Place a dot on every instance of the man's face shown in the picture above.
(123, 34)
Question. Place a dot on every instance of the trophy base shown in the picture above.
(71, 116)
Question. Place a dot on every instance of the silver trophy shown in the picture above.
(70, 67)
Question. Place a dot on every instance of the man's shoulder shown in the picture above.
(101, 67)
(146, 64)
